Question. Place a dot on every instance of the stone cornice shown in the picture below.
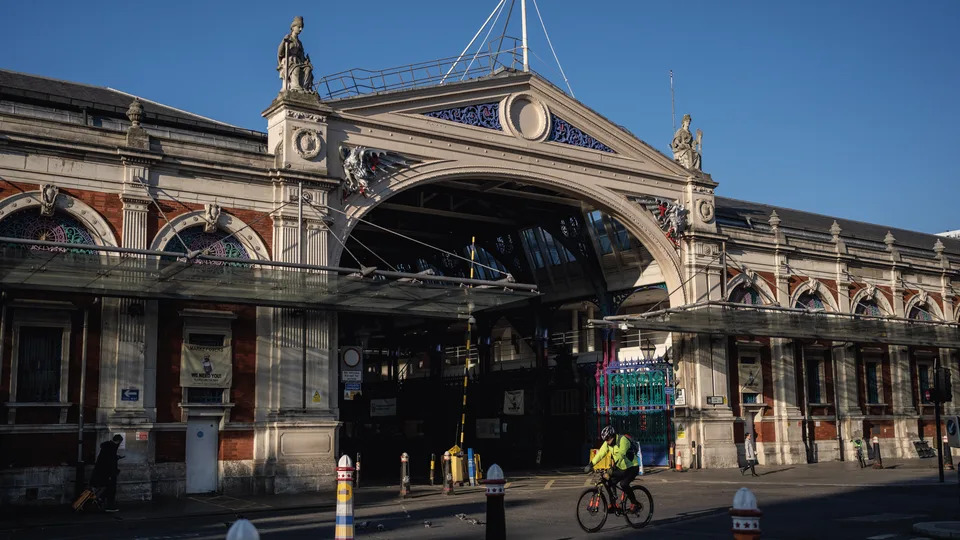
(290, 175)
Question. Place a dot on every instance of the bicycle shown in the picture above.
(592, 507)
(860, 459)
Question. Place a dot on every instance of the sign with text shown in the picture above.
(513, 402)
(488, 428)
(715, 400)
(383, 407)
(351, 376)
(130, 394)
(953, 431)
(680, 398)
(206, 367)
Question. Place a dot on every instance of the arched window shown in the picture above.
(868, 307)
(217, 244)
(810, 301)
(745, 294)
(921, 312)
(60, 227)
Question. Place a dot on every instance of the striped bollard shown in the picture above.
(471, 467)
(404, 474)
(746, 515)
(447, 474)
(344, 522)
(496, 515)
(433, 465)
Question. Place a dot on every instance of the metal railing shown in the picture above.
(358, 81)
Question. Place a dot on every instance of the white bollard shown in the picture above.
(343, 530)
(746, 515)
(242, 530)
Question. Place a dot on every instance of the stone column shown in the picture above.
(786, 405)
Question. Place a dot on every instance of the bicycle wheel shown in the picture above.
(644, 512)
(592, 510)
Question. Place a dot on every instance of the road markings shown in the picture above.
(883, 517)
(882, 536)
(549, 484)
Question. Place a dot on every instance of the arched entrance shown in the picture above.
(538, 352)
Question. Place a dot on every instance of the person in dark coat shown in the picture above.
(105, 471)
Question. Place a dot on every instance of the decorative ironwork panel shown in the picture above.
(485, 115)
(217, 244)
(869, 307)
(562, 131)
(921, 313)
(60, 227)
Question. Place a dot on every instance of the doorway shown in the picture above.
(201, 454)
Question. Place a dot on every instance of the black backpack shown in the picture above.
(634, 449)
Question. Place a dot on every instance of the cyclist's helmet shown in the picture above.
(608, 432)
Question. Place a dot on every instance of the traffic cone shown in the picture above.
(679, 462)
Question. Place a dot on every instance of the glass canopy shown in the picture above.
(120, 272)
(772, 321)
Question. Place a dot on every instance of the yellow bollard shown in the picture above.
(344, 521)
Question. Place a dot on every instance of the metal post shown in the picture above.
(523, 24)
(83, 394)
(877, 460)
(343, 530)
(723, 255)
(447, 474)
(937, 405)
(471, 467)
(404, 474)
(356, 476)
(496, 516)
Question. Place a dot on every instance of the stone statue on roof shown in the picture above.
(686, 149)
(294, 66)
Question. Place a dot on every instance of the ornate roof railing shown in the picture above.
(357, 81)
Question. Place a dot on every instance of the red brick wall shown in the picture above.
(171, 446)
(236, 445)
(766, 431)
(244, 344)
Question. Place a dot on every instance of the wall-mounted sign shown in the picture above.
(488, 428)
(143, 435)
(383, 407)
(351, 356)
(680, 398)
(351, 376)
(130, 394)
(715, 400)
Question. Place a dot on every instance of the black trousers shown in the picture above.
(751, 463)
(109, 483)
(622, 478)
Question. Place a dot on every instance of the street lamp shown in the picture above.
(649, 349)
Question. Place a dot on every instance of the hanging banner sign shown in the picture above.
(206, 367)
(513, 402)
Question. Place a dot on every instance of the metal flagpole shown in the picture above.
(673, 109)
(523, 24)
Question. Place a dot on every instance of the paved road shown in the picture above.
(823, 501)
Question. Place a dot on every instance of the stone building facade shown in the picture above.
(91, 166)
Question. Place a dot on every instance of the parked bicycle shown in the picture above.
(593, 505)
(858, 444)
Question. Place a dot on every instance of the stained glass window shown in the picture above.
(217, 244)
(868, 307)
(921, 313)
(485, 115)
(811, 301)
(744, 294)
(562, 131)
(60, 227)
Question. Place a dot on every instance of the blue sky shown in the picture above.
(845, 108)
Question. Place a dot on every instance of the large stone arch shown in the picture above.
(241, 231)
(635, 219)
(95, 224)
(923, 301)
(751, 279)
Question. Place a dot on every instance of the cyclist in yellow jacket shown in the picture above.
(625, 468)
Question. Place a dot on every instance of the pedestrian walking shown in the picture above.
(105, 471)
(750, 452)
